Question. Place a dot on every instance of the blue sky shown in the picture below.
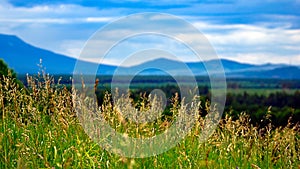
(253, 31)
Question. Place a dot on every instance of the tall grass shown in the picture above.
(39, 129)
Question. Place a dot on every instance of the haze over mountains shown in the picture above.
(23, 58)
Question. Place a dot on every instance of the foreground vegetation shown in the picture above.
(39, 129)
(251, 96)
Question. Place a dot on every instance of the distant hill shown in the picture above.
(23, 58)
(286, 72)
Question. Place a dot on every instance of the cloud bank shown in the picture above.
(247, 31)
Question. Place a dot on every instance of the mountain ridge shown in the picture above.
(24, 58)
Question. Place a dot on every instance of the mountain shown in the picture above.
(286, 72)
(227, 64)
(24, 58)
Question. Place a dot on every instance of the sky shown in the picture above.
(250, 31)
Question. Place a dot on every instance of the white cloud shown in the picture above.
(59, 28)
(99, 19)
(263, 58)
(56, 14)
(253, 43)
(65, 29)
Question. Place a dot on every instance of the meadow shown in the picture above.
(39, 128)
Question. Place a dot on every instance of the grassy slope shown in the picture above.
(39, 129)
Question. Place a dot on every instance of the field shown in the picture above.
(40, 129)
